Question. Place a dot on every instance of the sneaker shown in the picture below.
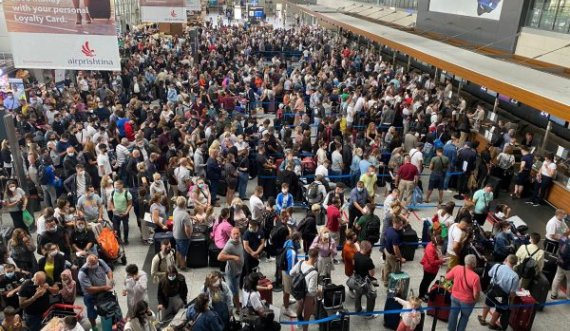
(292, 301)
(529, 202)
(370, 317)
(335, 261)
(290, 313)
(351, 293)
(271, 259)
(536, 204)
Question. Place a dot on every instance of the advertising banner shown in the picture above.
(163, 11)
(489, 9)
(63, 34)
(193, 5)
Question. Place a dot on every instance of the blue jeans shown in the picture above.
(459, 307)
(242, 184)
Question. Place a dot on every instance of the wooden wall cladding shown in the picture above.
(559, 197)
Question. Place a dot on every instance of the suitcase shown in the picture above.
(426, 232)
(333, 296)
(391, 321)
(266, 295)
(398, 284)
(213, 253)
(539, 288)
(341, 323)
(550, 266)
(159, 237)
(409, 243)
(100, 9)
(521, 318)
(198, 251)
(439, 297)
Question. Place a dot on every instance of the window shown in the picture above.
(553, 15)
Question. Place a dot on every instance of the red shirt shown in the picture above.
(431, 260)
(465, 283)
(333, 218)
(408, 171)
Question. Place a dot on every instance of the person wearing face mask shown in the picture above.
(141, 318)
(11, 103)
(327, 251)
(77, 184)
(286, 262)
(15, 202)
(358, 199)
(10, 283)
(135, 287)
(253, 244)
(200, 195)
(82, 242)
(220, 296)
(54, 234)
(95, 277)
(68, 288)
(34, 296)
(53, 263)
(90, 206)
(172, 293)
(162, 260)
(69, 162)
(284, 199)
(233, 253)
(504, 242)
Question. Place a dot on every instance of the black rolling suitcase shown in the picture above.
(409, 243)
(391, 321)
(198, 251)
(341, 323)
(160, 236)
(100, 9)
(550, 266)
(213, 261)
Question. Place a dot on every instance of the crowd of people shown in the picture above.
(315, 120)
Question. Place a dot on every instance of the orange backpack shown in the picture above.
(108, 243)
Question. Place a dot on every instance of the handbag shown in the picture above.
(495, 291)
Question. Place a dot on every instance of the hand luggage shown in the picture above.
(398, 284)
(198, 251)
(266, 294)
(341, 323)
(521, 318)
(439, 296)
(409, 243)
(333, 296)
(539, 288)
(213, 253)
(426, 232)
(550, 266)
(159, 237)
(100, 9)
(391, 321)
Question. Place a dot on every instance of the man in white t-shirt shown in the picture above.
(455, 236)
(256, 205)
(323, 169)
(103, 162)
(417, 157)
(556, 229)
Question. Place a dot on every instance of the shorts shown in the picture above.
(182, 246)
(436, 181)
(497, 303)
(89, 301)
(287, 282)
(522, 178)
(233, 283)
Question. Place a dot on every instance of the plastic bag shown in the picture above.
(28, 218)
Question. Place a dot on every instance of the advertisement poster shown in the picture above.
(163, 11)
(489, 9)
(63, 34)
(193, 5)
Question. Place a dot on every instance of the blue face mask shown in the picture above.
(10, 274)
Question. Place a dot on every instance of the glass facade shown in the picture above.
(552, 15)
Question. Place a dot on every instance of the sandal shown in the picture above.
(481, 320)
(495, 327)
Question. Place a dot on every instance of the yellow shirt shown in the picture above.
(369, 182)
(48, 268)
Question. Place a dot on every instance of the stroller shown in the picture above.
(109, 247)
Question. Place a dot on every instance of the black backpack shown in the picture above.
(527, 268)
(299, 286)
(282, 263)
(313, 194)
(372, 229)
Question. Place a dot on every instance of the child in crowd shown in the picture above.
(410, 319)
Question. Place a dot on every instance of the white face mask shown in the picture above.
(171, 278)
(13, 188)
(217, 283)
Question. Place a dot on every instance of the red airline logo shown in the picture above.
(87, 51)
(173, 13)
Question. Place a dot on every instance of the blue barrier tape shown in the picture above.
(340, 314)
(349, 175)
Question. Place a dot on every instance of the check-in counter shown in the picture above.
(559, 196)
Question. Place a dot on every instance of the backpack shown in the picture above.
(42, 175)
(372, 230)
(527, 268)
(113, 196)
(313, 194)
(282, 259)
(299, 283)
